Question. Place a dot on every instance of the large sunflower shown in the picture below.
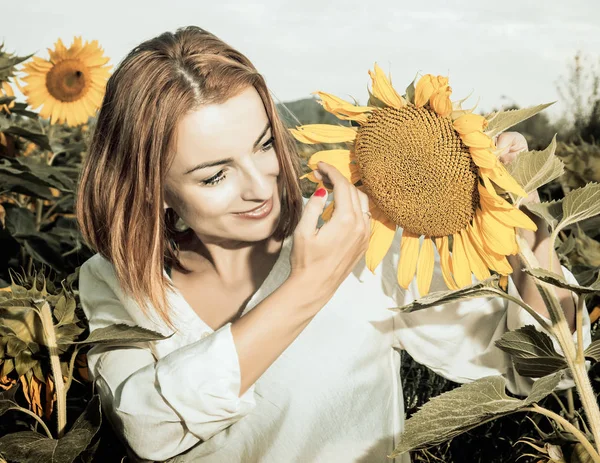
(70, 84)
(427, 166)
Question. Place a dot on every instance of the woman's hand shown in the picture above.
(511, 144)
(323, 257)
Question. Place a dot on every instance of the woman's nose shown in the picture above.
(255, 183)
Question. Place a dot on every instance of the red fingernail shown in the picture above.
(321, 192)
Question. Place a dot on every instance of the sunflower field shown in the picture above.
(49, 410)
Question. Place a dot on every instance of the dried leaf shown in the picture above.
(119, 333)
(487, 287)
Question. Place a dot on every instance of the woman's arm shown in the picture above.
(163, 407)
(457, 340)
(513, 143)
(539, 241)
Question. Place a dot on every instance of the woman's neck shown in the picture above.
(231, 262)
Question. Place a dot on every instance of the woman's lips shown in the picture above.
(258, 213)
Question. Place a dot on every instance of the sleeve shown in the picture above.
(162, 408)
(457, 340)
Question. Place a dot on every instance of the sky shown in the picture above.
(503, 52)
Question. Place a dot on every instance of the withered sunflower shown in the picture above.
(429, 167)
(70, 84)
(6, 90)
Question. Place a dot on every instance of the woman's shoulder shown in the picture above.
(104, 301)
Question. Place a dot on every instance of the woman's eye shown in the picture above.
(268, 144)
(215, 178)
(219, 176)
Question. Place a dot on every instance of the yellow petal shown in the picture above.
(494, 261)
(477, 140)
(382, 89)
(440, 101)
(504, 211)
(382, 235)
(424, 89)
(340, 159)
(476, 263)
(328, 211)
(409, 253)
(445, 261)
(323, 133)
(442, 81)
(483, 157)
(500, 238)
(341, 108)
(468, 123)
(425, 266)
(460, 263)
(500, 176)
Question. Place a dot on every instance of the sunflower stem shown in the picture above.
(529, 310)
(568, 427)
(562, 332)
(579, 328)
(551, 246)
(50, 341)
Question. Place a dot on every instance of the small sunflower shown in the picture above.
(428, 167)
(6, 90)
(70, 84)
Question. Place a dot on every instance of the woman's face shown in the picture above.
(225, 164)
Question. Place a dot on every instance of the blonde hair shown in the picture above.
(120, 195)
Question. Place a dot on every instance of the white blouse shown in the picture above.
(333, 395)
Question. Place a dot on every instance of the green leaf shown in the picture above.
(533, 169)
(579, 205)
(64, 310)
(374, 101)
(20, 221)
(52, 175)
(24, 362)
(38, 138)
(532, 351)
(8, 61)
(487, 287)
(26, 185)
(20, 108)
(558, 280)
(499, 121)
(457, 411)
(120, 333)
(30, 169)
(7, 400)
(44, 248)
(593, 351)
(567, 246)
(550, 211)
(32, 447)
(8, 365)
(410, 92)
(6, 99)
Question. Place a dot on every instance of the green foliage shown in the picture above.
(464, 408)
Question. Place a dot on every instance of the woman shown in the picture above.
(282, 346)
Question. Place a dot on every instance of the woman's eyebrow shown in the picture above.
(204, 165)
